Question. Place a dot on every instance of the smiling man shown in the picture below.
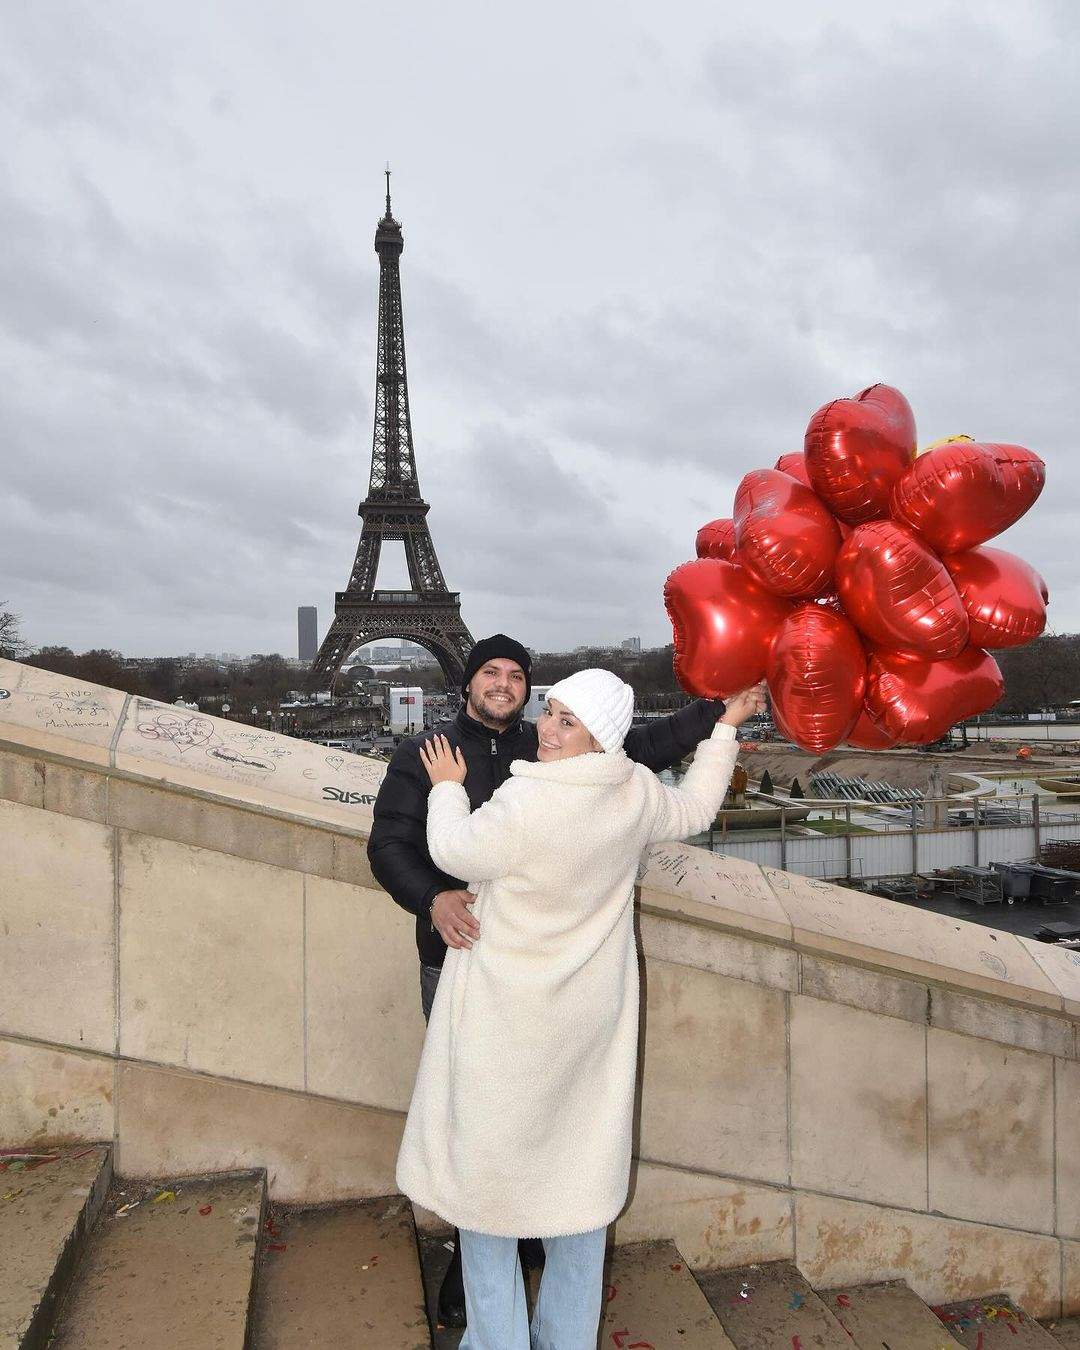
(491, 734)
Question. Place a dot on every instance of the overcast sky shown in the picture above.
(644, 243)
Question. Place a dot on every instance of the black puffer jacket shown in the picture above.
(397, 848)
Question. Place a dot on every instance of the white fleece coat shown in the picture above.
(522, 1114)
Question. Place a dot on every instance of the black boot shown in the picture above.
(531, 1252)
(452, 1291)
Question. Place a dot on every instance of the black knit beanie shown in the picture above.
(497, 645)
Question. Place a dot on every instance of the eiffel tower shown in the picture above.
(427, 613)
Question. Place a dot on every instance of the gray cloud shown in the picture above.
(628, 280)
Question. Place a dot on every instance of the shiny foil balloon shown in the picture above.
(724, 623)
(956, 495)
(918, 701)
(1004, 596)
(785, 535)
(817, 677)
(795, 465)
(898, 593)
(856, 449)
(1024, 474)
(717, 540)
(867, 735)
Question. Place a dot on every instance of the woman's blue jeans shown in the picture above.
(568, 1307)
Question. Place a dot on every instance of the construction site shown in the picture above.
(986, 828)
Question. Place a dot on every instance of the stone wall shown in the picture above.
(200, 969)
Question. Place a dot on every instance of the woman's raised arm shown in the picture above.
(691, 807)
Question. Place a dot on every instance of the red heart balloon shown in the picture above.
(785, 534)
(856, 449)
(1004, 596)
(817, 677)
(724, 623)
(918, 701)
(795, 465)
(1024, 474)
(898, 593)
(717, 540)
(867, 735)
(961, 494)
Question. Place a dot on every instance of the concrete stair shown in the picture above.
(89, 1263)
(1066, 1331)
(886, 1315)
(992, 1321)
(168, 1265)
(768, 1306)
(651, 1301)
(347, 1277)
(49, 1199)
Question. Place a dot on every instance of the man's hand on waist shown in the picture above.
(451, 919)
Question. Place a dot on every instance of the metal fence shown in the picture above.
(997, 832)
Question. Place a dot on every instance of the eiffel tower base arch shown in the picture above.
(436, 626)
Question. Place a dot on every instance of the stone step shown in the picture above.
(347, 1277)
(651, 1302)
(49, 1199)
(169, 1264)
(992, 1321)
(771, 1306)
(888, 1315)
(1065, 1331)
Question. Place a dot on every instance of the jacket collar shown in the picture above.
(469, 726)
(591, 770)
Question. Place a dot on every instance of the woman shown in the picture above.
(521, 1117)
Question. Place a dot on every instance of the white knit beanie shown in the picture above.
(599, 699)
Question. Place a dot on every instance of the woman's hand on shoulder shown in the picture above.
(744, 704)
(444, 763)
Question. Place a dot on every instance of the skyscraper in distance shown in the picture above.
(307, 626)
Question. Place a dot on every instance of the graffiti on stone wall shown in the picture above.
(130, 729)
(69, 709)
(244, 754)
(182, 732)
(701, 875)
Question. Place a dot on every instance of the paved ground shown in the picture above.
(902, 768)
(1022, 917)
(434, 1258)
(345, 1277)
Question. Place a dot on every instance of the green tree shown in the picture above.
(161, 679)
(62, 660)
(1042, 674)
(103, 666)
(203, 682)
(264, 678)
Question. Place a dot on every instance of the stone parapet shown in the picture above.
(203, 972)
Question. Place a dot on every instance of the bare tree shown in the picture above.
(11, 644)
(1043, 674)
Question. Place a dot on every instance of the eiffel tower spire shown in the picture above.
(428, 613)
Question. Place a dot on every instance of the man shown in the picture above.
(491, 734)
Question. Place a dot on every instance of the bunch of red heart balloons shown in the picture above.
(852, 577)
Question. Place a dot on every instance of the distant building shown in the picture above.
(406, 710)
(535, 706)
(414, 655)
(631, 644)
(307, 624)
